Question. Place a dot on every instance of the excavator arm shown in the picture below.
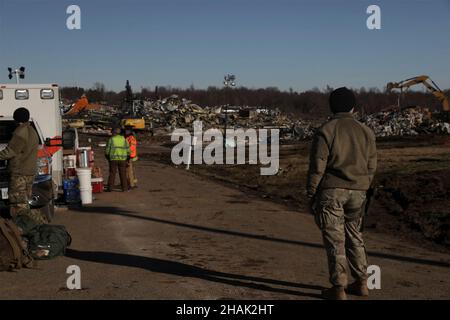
(428, 83)
(78, 106)
(438, 94)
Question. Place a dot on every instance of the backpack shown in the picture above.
(13, 251)
(48, 241)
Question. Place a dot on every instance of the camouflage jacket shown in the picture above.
(22, 151)
(343, 155)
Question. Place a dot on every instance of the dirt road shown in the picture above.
(179, 236)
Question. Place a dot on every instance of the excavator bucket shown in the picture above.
(136, 124)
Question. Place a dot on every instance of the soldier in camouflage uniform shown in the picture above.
(19, 193)
(342, 164)
(22, 155)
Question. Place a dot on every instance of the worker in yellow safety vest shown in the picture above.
(118, 154)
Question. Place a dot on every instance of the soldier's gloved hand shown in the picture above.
(311, 202)
(312, 206)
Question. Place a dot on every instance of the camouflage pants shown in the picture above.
(339, 213)
(19, 193)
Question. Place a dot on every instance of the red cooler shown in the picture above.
(97, 185)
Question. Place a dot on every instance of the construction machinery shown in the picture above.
(135, 124)
(78, 106)
(130, 119)
(82, 104)
(428, 83)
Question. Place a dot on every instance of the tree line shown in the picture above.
(311, 102)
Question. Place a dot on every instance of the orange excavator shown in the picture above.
(81, 105)
(428, 83)
(78, 106)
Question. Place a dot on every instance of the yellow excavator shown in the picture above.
(428, 83)
(131, 120)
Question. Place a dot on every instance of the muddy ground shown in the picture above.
(185, 235)
(413, 185)
(180, 235)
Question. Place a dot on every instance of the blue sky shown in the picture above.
(284, 43)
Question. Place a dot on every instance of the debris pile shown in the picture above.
(303, 130)
(93, 121)
(173, 112)
(408, 122)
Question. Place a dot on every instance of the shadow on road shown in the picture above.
(185, 270)
(131, 214)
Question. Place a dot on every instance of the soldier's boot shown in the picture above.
(334, 293)
(358, 288)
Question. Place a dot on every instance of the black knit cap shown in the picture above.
(342, 100)
(117, 130)
(21, 115)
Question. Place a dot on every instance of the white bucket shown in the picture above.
(84, 176)
(86, 196)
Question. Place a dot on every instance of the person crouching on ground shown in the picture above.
(118, 154)
(342, 165)
(131, 170)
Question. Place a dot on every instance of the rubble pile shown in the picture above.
(93, 121)
(303, 130)
(408, 122)
(175, 112)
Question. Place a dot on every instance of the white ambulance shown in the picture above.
(42, 100)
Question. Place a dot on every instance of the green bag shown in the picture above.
(48, 241)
